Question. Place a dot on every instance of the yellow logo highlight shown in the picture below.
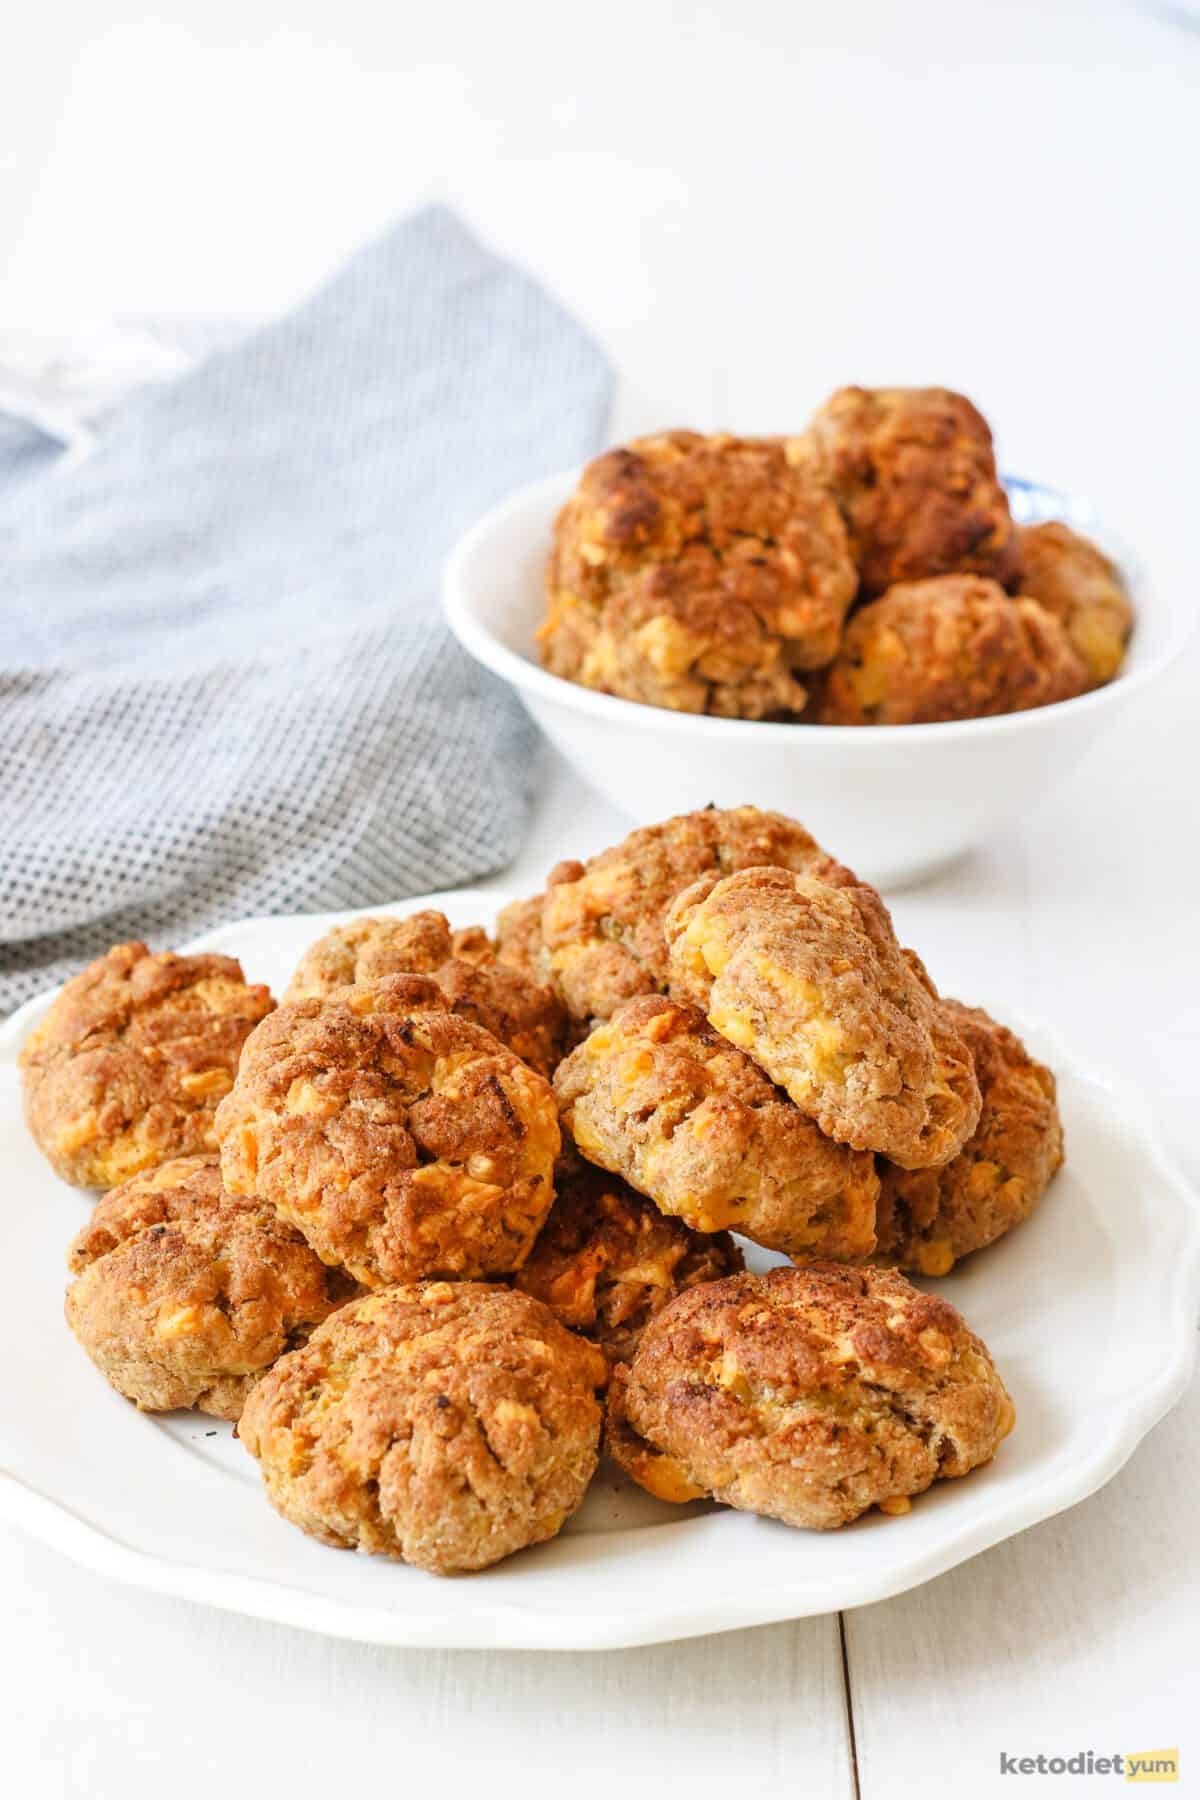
(1152, 1765)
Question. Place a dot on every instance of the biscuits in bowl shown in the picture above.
(447, 1424)
(914, 472)
(401, 1144)
(929, 1218)
(183, 1294)
(806, 1395)
(657, 1096)
(720, 575)
(128, 1066)
(809, 980)
(607, 1260)
(1073, 579)
(953, 647)
(703, 574)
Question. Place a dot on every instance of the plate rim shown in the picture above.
(511, 1625)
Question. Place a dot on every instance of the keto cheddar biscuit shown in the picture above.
(366, 949)
(657, 1096)
(599, 928)
(810, 982)
(525, 1014)
(183, 1294)
(929, 1218)
(128, 1066)
(914, 473)
(806, 1395)
(447, 1424)
(703, 574)
(1073, 579)
(519, 935)
(607, 1260)
(400, 1144)
(954, 647)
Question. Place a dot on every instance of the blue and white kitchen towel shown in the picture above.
(225, 686)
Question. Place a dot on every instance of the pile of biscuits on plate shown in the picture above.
(463, 1205)
(866, 572)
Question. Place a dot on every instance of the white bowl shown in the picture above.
(895, 802)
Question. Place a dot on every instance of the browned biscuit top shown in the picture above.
(1073, 579)
(657, 1096)
(607, 1260)
(183, 1294)
(400, 1144)
(928, 1218)
(698, 573)
(462, 967)
(914, 472)
(599, 930)
(809, 980)
(367, 949)
(806, 1394)
(956, 647)
(448, 1424)
(519, 935)
(128, 1066)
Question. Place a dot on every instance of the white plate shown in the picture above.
(1090, 1310)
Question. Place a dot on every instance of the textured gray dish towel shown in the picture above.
(225, 687)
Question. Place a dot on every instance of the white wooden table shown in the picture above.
(749, 202)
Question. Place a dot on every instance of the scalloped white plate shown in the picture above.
(1090, 1310)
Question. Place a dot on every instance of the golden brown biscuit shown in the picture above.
(523, 1013)
(655, 1095)
(810, 981)
(367, 949)
(607, 1260)
(914, 473)
(1073, 579)
(956, 647)
(447, 1424)
(519, 935)
(807, 1395)
(126, 1069)
(599, 932)
(471, 944)
(697, 573)
(526, 1016)
(928, 1218)
(401, 1145)
(184, 1294)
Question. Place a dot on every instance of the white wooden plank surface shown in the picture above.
(749, 203)
(1080, 1634)
(107, 1691)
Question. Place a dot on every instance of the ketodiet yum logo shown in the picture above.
(1126, 1765)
